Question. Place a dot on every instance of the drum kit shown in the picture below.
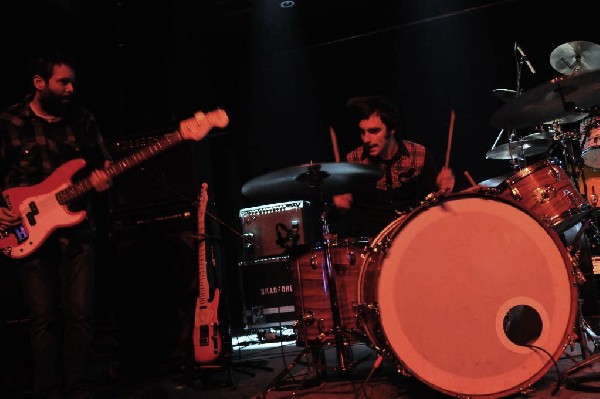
(475, 293)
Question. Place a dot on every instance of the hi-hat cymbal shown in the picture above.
(574, 57)
(561, 97)
(519, 149)
(304, 181)
(549, 136)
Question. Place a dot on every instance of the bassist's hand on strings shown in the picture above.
(8, 218)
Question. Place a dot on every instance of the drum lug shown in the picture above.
(554, 173)
(541, 195)
(571, 196)
(306, 319)
(351, 257)
(313, 261)
(515, 193)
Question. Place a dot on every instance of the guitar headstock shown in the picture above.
(197, 128)
(203, 197)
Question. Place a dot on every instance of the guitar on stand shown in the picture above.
(207, 338)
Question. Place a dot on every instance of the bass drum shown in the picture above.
(471, 294)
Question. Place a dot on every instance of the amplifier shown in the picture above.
(267, 292)
(274, 229)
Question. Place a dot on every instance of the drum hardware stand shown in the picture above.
(314, 177)
(315, 363)
(585, 334)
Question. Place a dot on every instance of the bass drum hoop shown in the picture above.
(428, 339)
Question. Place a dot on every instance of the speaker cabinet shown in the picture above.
(166, 179)
(268, 296)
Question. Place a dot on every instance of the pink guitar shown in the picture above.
(44, 206)
(206, 335)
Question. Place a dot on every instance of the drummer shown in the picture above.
(410, 172)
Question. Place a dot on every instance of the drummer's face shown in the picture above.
(376, 137)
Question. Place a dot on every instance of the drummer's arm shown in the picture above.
(343, 202)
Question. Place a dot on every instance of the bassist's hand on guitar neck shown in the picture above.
(100, 179)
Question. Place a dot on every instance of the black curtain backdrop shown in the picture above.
(283, 75)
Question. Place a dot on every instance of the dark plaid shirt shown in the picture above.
(31, 148)
(407, 179)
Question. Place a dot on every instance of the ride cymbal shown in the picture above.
(519, 149)
(574, 57)
(304, 181)
(561, 97)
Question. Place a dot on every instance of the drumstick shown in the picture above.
(450, 130)
(469, 178)
(336, 152)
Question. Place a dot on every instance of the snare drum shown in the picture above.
(312, 296)
(547, 191)
(461, 292)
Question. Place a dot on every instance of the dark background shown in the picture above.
(282, 75)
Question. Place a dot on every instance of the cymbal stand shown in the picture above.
(315, 177)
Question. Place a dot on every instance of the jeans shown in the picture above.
(57, 282)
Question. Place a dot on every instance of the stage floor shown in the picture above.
(258, 368)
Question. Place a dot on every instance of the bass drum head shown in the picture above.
(455, 276)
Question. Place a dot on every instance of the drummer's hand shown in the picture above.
(445, 180)
(343, 201)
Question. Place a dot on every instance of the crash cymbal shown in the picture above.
(568, 119)
(302, 182)
(574, 57)
(505, 94)
(519, 149)
(561, 97)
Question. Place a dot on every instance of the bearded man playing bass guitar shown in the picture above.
(37, 135)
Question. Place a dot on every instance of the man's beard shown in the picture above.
(54, 105)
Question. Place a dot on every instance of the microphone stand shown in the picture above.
(517, 161)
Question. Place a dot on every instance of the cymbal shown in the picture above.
(568, 119)
(539, 136)
(302, 182)
(505, 94)
(561, 97)
(496, 180)
(519, 149)
(574, 57)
